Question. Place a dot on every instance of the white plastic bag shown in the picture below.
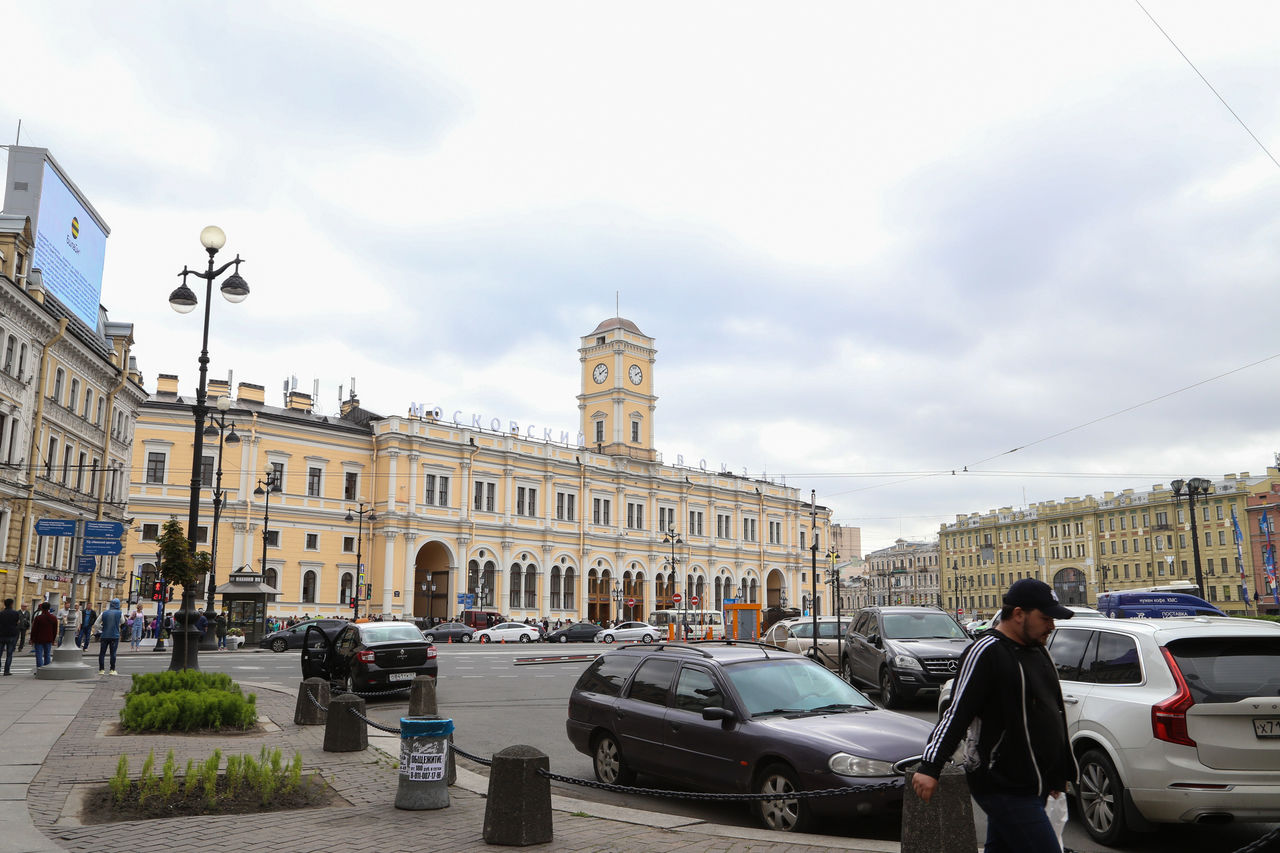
(1056, 809)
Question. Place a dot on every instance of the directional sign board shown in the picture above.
(56, 527)
(86, 565)
(731, 601)
(103, 530)
(467, 599)
(101, 547)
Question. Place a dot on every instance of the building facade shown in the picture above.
(69, 394)
(597, 529)
(1129, 540)
(904, 573)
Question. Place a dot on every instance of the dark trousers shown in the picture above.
(7, 645)
(1017, 824)
(22, 638)
(107, 643)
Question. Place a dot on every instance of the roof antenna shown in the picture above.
(17, 140)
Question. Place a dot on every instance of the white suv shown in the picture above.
(1171, 720)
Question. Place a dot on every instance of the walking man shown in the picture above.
(9, 621)
(88, 617)
(44, 630)
(24, 625)
(108, 629)
(1008, 701)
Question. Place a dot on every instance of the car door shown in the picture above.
(640, 717)
(863, 655)
(1073, 650)
(706, 752)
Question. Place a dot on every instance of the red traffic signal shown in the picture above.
(157, 591)
(352, 604)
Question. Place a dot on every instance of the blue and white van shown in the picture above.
(1154, 605)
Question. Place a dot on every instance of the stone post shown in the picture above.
(517, 812)
(945, 823)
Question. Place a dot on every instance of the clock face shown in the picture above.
(636, 374)
(600, 374)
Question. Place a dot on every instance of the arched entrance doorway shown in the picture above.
(774, 590)
(1070, 586)
(431, 582)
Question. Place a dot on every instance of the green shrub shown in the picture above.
(182, 679)
(188, 710)
(168, 778)
(120, 782)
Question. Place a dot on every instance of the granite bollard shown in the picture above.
(343, 730)
(517, 812)
(945, 823)
(306, 712)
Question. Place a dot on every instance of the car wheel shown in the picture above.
(647, 638)
(484, 638)
(889, 695)
(564, 638)
(430, 638)
(847, 670)
(609, 766)
(781, 815)
(1100, 796)
(607, 638)
(279, 644)
(466, 638)
(524, 638)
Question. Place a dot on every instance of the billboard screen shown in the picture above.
(70, 248)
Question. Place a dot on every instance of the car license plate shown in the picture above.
(408, 676)
(1266, 726)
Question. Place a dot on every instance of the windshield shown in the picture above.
(922, 626)
(393, 633)
(826, 630)
(794, 686)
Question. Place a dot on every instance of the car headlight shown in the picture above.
(906, 662)
(844, 764)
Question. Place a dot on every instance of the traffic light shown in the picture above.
(157, 591)
(368, 590)
(352, 603)
(170, 598)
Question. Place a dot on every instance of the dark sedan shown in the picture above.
(292, 638)
(447, 632)
(578, 632)
(743, 718)
(373, 657)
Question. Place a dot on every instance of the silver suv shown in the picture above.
(1171, 720)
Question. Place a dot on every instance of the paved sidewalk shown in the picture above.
(58, 740)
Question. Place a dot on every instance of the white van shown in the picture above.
(698, 621)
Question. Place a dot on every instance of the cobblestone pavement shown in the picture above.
(89, 748)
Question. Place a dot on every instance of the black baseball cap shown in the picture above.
(1031, 594)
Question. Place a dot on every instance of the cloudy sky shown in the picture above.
(875, 242)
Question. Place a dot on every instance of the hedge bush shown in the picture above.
(182, 679)
(187, 700)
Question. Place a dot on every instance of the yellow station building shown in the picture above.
(530, 526)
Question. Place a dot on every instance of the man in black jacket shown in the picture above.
(1007, 703)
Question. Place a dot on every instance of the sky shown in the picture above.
(875, 243)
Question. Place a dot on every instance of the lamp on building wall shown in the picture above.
(358, 516)
(183, 300)
(1191, 488)
(217, 426)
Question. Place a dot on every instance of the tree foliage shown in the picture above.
(176, 562)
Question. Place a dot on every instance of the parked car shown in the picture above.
(447, 632)
(507, 632)
(578, 632)
(904, 651)
(1173, 720)
(291, 638)
(630, 632)
(735, 717)
(796, 635)
(373, 657)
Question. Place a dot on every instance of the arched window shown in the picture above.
(9, 349)
(309, 588)
(269, 579)
(344, 591)
(22, 361)
(530, 588)
(490, 572)
(102, 404)
(88, 403)
(701, 591)
(74, 396)
(753, 592)
(719, 594)
(58, 378)
(569, 581)
(555, 587)
(513, 584)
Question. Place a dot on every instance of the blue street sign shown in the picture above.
(731, 601)
(86, 565)
(103, 530)
(101, 547)
(466, 599)
(56, 527)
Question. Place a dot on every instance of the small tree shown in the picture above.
(176, 562)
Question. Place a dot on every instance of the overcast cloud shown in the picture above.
(873, 241)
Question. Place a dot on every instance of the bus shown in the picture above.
(1155, 604)
(697, 620)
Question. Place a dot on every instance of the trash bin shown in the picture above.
(424, 755)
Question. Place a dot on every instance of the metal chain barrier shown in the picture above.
(476, 758)
(391, 730)
(1262, 843)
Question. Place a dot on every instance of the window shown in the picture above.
(600, 510)
(775, 533)
(635, 516)
(350, 485)
(313, 482)
(348, 544)
(1222, 537)
(1117, 660)
(58, 378)
(607, 674)
(724, 526)
(66, 464)
(526, 501)
(150, 532)
(599, 432)
(429, 489)
(277, 476)
(564, 506)
(436, 490)
(749, 531)
(696, 690)
(155, 467)
(635, 432)
(513, 586)
(666, 518)
(74, 397)
(309, 588)
(9, 348)
(102, 405)
(80, 471)
(483, 497)
(695, 523)
(442, 492)
(202, 535)
(313, 542)
(49, 460)
(93, 475)
(206, 471)
(88, 403)
(652, 681)
(273, 538)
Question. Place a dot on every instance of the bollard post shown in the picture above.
(343, 730)
(305, 712)
(517, 812)
(945, 823)
(424, 758)
(422, 697)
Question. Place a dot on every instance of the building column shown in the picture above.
(393, 490)
(409, 590)
(388, 570)
(413, 483)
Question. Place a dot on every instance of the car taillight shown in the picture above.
(431, 652)
(364, 656)
(1169, 718)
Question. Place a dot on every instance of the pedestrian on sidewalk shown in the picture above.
(1018, 753)
(44, 630)
(9, 622)
(24, 625)
(108, 630)
(137, 627)
(88, 617)
(220, 629)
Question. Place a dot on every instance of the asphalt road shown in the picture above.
(495, 703)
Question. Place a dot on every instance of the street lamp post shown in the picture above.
(672, 538)
(617, 597)
(360, 577)
(1194, 486)
(264, 489)
(955, 582)
(833, 578)
(159, 646)
(217, 426)
(183, 300)
(813, 566)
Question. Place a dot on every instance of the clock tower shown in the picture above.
(617, 403)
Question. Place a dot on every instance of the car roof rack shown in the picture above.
(729, 641)
(680, 647)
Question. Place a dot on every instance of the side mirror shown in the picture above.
(725, 715)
